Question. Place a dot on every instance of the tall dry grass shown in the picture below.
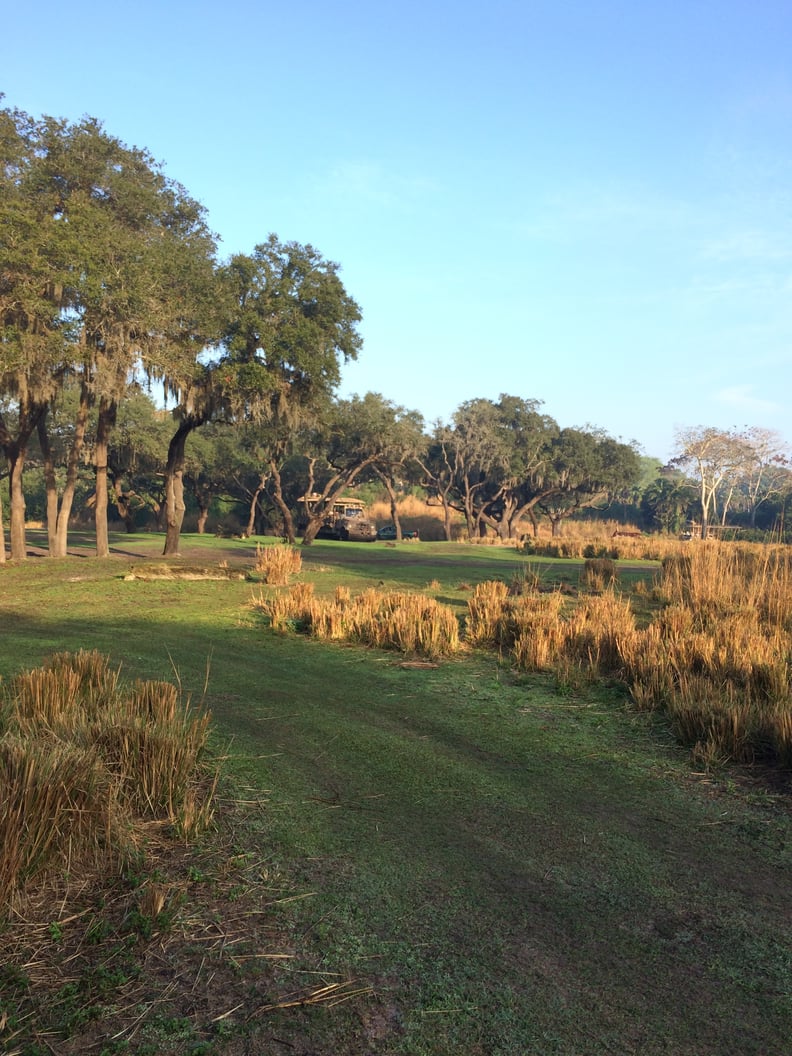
(718, 658)
(277, 564)
(84, 761)
(409, 623)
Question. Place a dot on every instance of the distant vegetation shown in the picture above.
(112, 288)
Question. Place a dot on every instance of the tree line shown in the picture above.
(111, 287)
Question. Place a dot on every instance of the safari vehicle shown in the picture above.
(347, 520)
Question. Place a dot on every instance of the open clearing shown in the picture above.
(450, 859)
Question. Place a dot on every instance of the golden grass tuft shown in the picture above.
(410, 623)
(718, 657)
(598, 573)
(83, 761)
(277, 564)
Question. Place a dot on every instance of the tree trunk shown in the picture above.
(280, 502)
(123, 505)
(388, 485)
(16, 526)
(254, 498)
(2, 533)
(107, 419)
(203, 517)
(51, 491)
(59, 511)
(174, 487)
(534, 523)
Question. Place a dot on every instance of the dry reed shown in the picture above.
(410, 623)
(83, 761)
(718, 657)
(278, 563)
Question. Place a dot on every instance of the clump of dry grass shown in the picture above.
(599, 631)
(540, 633)
(718, 657)
(488, 608)
(410, 623)
(84, 760)
(598, 573)
(278, 563)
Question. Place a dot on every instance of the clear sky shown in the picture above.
(587, 202)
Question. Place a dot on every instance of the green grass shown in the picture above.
(512, 866)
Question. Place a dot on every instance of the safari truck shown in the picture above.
(347, 520)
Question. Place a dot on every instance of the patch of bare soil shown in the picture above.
(191, 572)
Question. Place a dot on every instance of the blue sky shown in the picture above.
(587, 203)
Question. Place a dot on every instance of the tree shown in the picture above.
(289, 325)
(136, 457)
(480, 455)
(188, 334)
(401, 440)
(712, 457)
(35, 327)
(763, 472)
(101, 255)
(523, 482)
(439, 466)
(490, 463)
(355, 435)
(666, 501)
(586, 468)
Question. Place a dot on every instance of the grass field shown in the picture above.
(417, 859)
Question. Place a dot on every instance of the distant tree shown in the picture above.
(587, 468)
(524, 474)
(354, 436)
(401, 441)
(763, 472)
(289, 325)
(214, 465)
(666, 501)
(490, 463)
(440, 466)
(712, 457)
(136, 457)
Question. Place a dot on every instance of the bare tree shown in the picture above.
(713, 457)
(764, 472)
